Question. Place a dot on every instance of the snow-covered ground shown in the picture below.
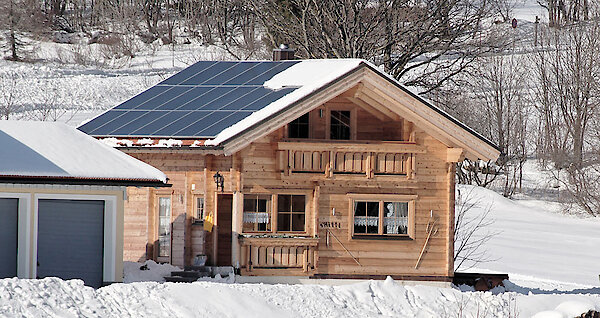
(552, 260)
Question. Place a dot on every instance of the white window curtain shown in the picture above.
(256, 217)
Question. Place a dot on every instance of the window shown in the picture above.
(291, 212)
(366, 217)
(339, 126)
(382, 217)
(299, 127)
(257, 213)
(199, 208)
(164, 226)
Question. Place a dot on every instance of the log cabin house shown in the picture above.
(314, 168)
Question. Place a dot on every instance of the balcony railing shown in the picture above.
(368, 158)
(279, 253)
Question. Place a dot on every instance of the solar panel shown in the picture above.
(198, 102)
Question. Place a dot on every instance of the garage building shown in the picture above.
(61, 202)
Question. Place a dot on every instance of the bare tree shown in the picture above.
(567, 91)
(421, 43)
(473, 230)
(11, 95)
(567, 94)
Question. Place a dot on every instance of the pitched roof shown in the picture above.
(222, 101)
(38, 151)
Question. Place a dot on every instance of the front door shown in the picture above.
(224, 207)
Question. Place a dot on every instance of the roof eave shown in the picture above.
(83, 181)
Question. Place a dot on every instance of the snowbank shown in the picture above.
(150, 271)
(538, 245)
(52, 297)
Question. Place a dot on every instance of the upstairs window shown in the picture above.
(257, 213)
(339, 126)
(299, 127)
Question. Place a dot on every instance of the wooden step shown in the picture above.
(196, 274)
(179, 279)
(197, 268)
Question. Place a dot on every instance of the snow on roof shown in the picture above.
(49, 149)
(308, 76)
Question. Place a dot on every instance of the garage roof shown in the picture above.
(49, 152)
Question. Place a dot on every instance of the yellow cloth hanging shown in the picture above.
(208, 223)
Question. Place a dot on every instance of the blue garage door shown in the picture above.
(9, 218)
(70, 240)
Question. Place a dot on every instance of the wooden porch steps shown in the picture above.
(193, 273)
(189, 274)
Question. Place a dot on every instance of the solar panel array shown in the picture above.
(198, 102)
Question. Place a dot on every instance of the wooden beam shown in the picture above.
(313, 101)
(370, 109)
(454, 154)
(364, 96)
(434, 123)
(389, 147)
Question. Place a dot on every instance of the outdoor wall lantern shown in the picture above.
(219, 180)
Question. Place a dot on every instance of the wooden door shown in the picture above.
(224, 207)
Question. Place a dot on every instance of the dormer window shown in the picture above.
(299, 127)
(340, 125)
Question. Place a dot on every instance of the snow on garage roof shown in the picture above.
(49, 150)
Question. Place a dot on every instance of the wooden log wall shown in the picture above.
(260, 173)
(376, 256)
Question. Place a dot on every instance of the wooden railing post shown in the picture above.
(305, 259)
(248, 257)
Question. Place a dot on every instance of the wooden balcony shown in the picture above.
(330, 158)
(261, 255)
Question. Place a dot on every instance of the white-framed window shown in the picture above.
(199, 208)
(164, 226)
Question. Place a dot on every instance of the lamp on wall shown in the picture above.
(219, 181)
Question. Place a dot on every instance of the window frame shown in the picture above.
(158, 257)
(274, 197)
(308, 127)
(198, 218)
(381, 199)
(269, 211)
(353, 121)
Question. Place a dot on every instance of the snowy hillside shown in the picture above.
(81, 89)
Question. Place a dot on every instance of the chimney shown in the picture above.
(283, 53)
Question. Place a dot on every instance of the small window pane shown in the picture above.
(284, 202)
(299, 128)
(298, 203)
(200, 208)
(262, 205)
(366, 217)
(340, 125)
(284, 222)
(395, 218)
(297, 222)
(373, 209)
